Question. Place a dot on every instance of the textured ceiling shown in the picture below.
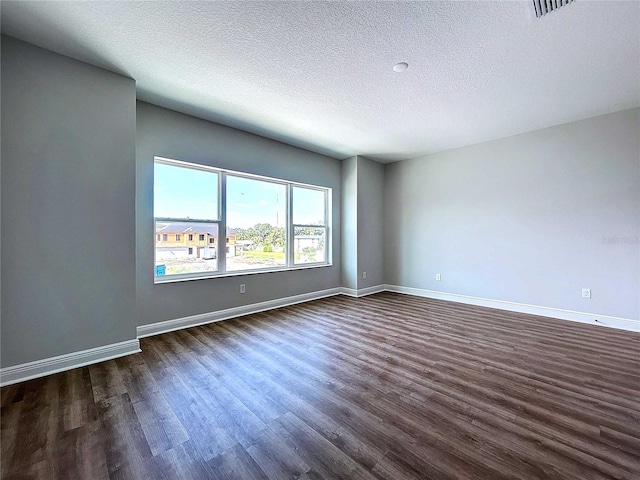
(319, 74)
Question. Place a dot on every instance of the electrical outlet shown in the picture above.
(364, 274)
(586, 293)
(438, 277)
(242, 289)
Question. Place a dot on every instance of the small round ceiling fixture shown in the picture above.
(400, 67)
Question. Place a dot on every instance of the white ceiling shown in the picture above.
(319, 74)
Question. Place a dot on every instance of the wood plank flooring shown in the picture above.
(387, 386)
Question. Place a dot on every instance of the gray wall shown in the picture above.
(531, 218)
(68, 225)
(362, 232)
(350, 223)
(370, 215)
(169, 134)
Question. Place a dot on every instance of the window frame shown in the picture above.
(324, 226)
(221, 244)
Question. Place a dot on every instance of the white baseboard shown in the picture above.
(362, 292)
(582, 317)
(61, 363)
(48, 366)
(203, 318)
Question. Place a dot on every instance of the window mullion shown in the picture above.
(183, 220)
(222, 226)
(290, 229)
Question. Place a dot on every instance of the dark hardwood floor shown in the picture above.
(387, 386)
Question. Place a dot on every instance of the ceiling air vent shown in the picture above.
(543, 7)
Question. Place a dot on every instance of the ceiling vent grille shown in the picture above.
(543, 7)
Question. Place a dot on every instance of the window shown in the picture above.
(309, 225)
(185, 201)
(270, 224)
(165, 237)
(256, 213)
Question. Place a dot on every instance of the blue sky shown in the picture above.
(251, 201)
(188, 193)
(185, 193)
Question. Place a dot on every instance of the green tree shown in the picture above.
(262, 234)
(310, 253)
(276, 237)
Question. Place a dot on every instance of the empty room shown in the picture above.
(320, 240)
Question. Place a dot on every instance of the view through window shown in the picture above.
(268, 223)
(257, 216)
(309, 225)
